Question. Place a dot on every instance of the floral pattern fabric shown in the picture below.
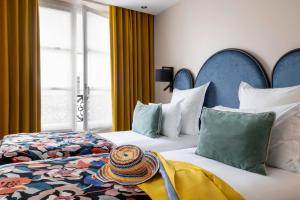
(40, 146)
(73, 178)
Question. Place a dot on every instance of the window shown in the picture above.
(99, 78)
(75, 66)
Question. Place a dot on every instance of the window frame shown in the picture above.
(74, 10)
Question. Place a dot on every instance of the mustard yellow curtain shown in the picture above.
(19, 67)
(132, 63)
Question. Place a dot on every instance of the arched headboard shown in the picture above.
(225, 70)
(287, 70)
(183, 80)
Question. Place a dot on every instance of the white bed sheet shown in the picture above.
(277, 185)
(160, 144)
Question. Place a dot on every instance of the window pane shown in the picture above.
(55, 28)
(99, 80)
(56, 71)
(97, 32)
(99, 113)
(56, 80)
(56, 110)
(79, 31)
(99, 70)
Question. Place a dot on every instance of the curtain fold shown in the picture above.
(132, 63)
(19, 67)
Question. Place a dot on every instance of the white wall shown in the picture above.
(191, 31)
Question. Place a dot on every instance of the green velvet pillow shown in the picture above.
(237, 139)
(147, 119)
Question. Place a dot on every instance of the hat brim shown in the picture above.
(105, 174)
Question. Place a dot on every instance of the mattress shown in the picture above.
(160, 144)
(277, 185)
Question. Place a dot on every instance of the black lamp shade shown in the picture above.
(164, 75)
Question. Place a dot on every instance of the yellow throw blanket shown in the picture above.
(189, 182)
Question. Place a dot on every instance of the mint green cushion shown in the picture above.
(237, 139)
(147, 119)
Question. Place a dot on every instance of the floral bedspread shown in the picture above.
(73, 178)
(40, 146)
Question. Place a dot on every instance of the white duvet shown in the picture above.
(160, 144)
(277, 185)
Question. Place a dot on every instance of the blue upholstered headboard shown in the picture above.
(183, 80)
(225, 70)
(287, 70)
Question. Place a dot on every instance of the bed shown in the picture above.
(226, 69)
(241, 66)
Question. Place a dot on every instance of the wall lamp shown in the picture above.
(165, 74)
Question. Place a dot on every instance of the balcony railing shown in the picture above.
(80, 108)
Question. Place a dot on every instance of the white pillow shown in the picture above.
(191, 107)
(171, 119)
(258, 98)
(284, 147)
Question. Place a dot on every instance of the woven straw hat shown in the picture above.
(129, 165)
